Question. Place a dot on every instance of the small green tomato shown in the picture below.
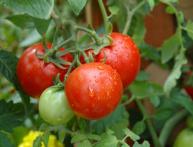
(184, 138)
(53, 106)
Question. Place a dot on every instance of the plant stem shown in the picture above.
(92, 33)
(57, 47)
(130, 16)
(149, 124)
(169, 125)
(105, 16)
(186, 29)
(88, 13)
(70, 68)
(129, 101)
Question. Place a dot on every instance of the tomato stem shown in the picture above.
(129, 101)
(57, 47)
(169, 125)
(88, 13)
(107, 23)
(70, 67)
(149, 124)
(130, 16)
(92, 33)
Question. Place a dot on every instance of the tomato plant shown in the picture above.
(99, 93)
(53, 106)
(105, 73)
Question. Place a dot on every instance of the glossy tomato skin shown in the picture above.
(184, 139)
(93, 90)
(123, 55)
(189, 90)
(34, 74)
(54, 107)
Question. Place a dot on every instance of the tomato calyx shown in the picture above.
(55, 53)
(57, 61)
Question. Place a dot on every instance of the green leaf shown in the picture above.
(149, 52)
(61, 135)
(114, 9)
(136, 144)
(8, 62)
(151, 3)
(183, 100)
(22, 20)
(189, 27)
(85, 143)
(77, 5)
(139, 31)
(11, 115)
(131, 135)
(116, 121)
(27, 21)
(31, 38)
(180, 16)
(176, 72)
(124, 145)
(18, 134)
(142, 89)
(155, 100)
(37, 142)
(144, 144)
(93, 137)
(45, 138)
(38, 8)
(170, 10)
(107, 140)
(78, 138)
(142, 76)
(169, 48)
(139, 127)
(5, 140)
(41, 25)
(41, 140)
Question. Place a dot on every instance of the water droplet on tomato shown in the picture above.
(91, 92)
(108, 93)
(100, 67)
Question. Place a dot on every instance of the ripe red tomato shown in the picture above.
(34, 74)
(189, 90)
(123, 55)
(93, 90)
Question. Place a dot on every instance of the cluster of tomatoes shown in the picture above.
(91, 90)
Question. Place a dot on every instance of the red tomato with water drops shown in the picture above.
(93, 90)
(34, 74)
(123, 55)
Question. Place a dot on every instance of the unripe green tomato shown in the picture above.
(189, 122)
(53, 106)
(184, 138)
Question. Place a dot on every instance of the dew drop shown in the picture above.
(100, 67)
(91, 92)
(108, 93)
